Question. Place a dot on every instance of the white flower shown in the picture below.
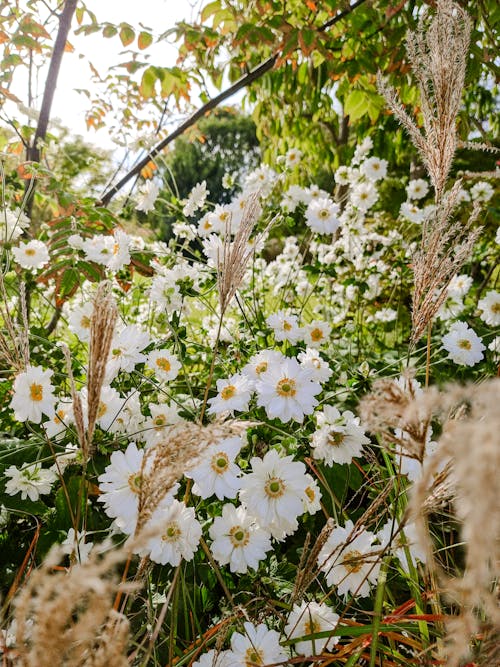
(12, 224)
(494, 346)
(130, 418)
(404, 544)
(349, 561)
(33, 395)
(374, 168)
(322, 216)
(162, 416)
(319, 368)
(63, 416)
(165, 292)
(31, 255)
(490, 307)
(260, 180)
(125, 352)
(196, 199)
(287, 391)
(497, 236)
(217, 472)
(316, 333)
(147, 195)
(99, 248)
(164, 364)
(385, 315)
(481, 191)
(342, 175)
(213, 658)
(463, 345)
(110, 406)
(79, 321)
(417, 189)
(451, 307)
(77, 549)
(364, 196)
(460, 285)
(120, 485)
(258, 646)
(310, 618)
(184, 230)
(232, 394)
(312, 496)
(120, 256)
(259, 363)
(274, 492)
(179, 534)
(412, 212)
(339, 437)
(284, 326)
(293, 157)
(31, 481)
(237, 540)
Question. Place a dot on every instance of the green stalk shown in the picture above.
(379, 601)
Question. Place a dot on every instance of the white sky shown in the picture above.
(70, 106)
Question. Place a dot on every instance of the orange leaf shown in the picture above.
(311, 5)
(68, 47)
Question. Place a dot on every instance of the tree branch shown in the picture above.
(243, 82)
(65, 19)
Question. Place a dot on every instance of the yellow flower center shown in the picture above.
(335, 438)
(59, 416)
(261, 368)
(253, 657)
(310, 493)
(495, 308)
(286, 387)
(228, 392)
(317, 334)
(287, 326)
(220, 462)
(85, 322)
(135, 482)
(172, 532)
(352, 561)
(323, 213)
(311, 627)
(101, 411)
(117, 352)
(159, 421)
(164, 364)
(36, 392)
(465, 344)
(239, 536)
(274, 487)
(30, 252)
(224, 216)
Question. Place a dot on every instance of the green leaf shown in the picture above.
(109, 30)
(127, 34)
(148, 81)
(144, 40)
(210, 9)
(355, 105)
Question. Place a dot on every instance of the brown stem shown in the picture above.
(243, 82)
(428, 356)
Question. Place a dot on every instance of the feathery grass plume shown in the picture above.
(470, 440)
(385, 409)
(12, 345)
(445, 246)
(309, 568)
(179, 450)
(77, 403)
(232, 265)
(438, 53)
(65, 618)
(102, 327)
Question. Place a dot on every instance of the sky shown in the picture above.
(70, 106)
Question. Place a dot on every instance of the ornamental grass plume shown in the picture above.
(181, 446)
(232, 265)
(438, 53)
(470, 439)
(14, 343)
(102, 327)
(65, 618)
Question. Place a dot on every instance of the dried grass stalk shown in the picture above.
(236, 254)
(77, 403)
(470, 440)
(438, 53)
(14, 346)
(65, 618)
(102, 327)
(444, 248)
